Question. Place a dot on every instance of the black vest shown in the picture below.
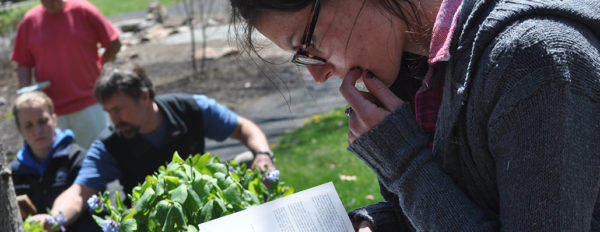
(137, 157)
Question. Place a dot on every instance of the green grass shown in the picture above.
(9, 19)
(316, 154)
(114, 7)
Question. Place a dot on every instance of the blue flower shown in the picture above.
(109, 225)
(93, 202)
(60, 218)
(56, 221)
(272, 175)
(51, 220)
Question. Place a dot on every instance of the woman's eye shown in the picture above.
(43, 121)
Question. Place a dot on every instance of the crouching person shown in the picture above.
(49, 161)
(146, 131)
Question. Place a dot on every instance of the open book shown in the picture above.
(315, 209)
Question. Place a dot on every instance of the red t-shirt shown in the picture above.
(63, 49)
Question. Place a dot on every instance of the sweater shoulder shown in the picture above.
(538, 50)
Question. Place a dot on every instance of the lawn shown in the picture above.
(316, 154)
(9, 18)
(114, 7)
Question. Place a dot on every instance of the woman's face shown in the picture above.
(37, 126)
(347, 34)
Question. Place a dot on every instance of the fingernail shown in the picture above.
(370, 75)
(348, 111)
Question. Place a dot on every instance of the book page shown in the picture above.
(315, 209)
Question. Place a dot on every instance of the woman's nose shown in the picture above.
(37, 128)
(321, 73)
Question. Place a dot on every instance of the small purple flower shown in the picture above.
(56, 221)
(60, 218)
(51, 220)
(272, 175)
(109, 225)
(94, 202)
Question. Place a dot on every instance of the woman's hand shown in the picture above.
(368, 109)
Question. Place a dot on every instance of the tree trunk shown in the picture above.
(10, 217)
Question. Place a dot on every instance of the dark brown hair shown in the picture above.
(245, 15)
(131, 82)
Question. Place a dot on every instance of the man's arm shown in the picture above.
(110, 52)
(72, 202)
(24, 74)
(250, 134)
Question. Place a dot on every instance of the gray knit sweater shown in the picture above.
(517, 143)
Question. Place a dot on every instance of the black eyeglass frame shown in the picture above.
(302, 56)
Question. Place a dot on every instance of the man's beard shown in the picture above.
(128, 130)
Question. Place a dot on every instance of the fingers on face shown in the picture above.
(381, 92)
(349, 92)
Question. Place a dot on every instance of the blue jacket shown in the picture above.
(43, 182)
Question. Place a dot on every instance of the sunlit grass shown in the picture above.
(316, 154)
(9, 19)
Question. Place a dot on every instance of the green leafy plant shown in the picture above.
(55, 223)
(185, 193)
(33, 225)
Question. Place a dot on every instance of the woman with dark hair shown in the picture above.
(501, 129)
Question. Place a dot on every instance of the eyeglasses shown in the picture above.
(302, 56)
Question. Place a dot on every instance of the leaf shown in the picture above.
(168, 222)
(128, 225)
(177, 158)
(118, 200)
(206, 211)
(193, 201)
(220, 179)
(189, 172)
(171, 182)
(201, 162)
(234, 176)
(217, 168)
(179, 194)
(252, 186)
(98, 219)
(162, 210)
(179, 174)
(172, 166)
(144, 202)
(220, 208)
(232, 194)
(160, 187)
(192, 228)
(178, 215)
(202, 185)
(288, 191)
(130, 214)
(250, 197)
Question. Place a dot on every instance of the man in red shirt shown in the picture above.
(59, 41)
